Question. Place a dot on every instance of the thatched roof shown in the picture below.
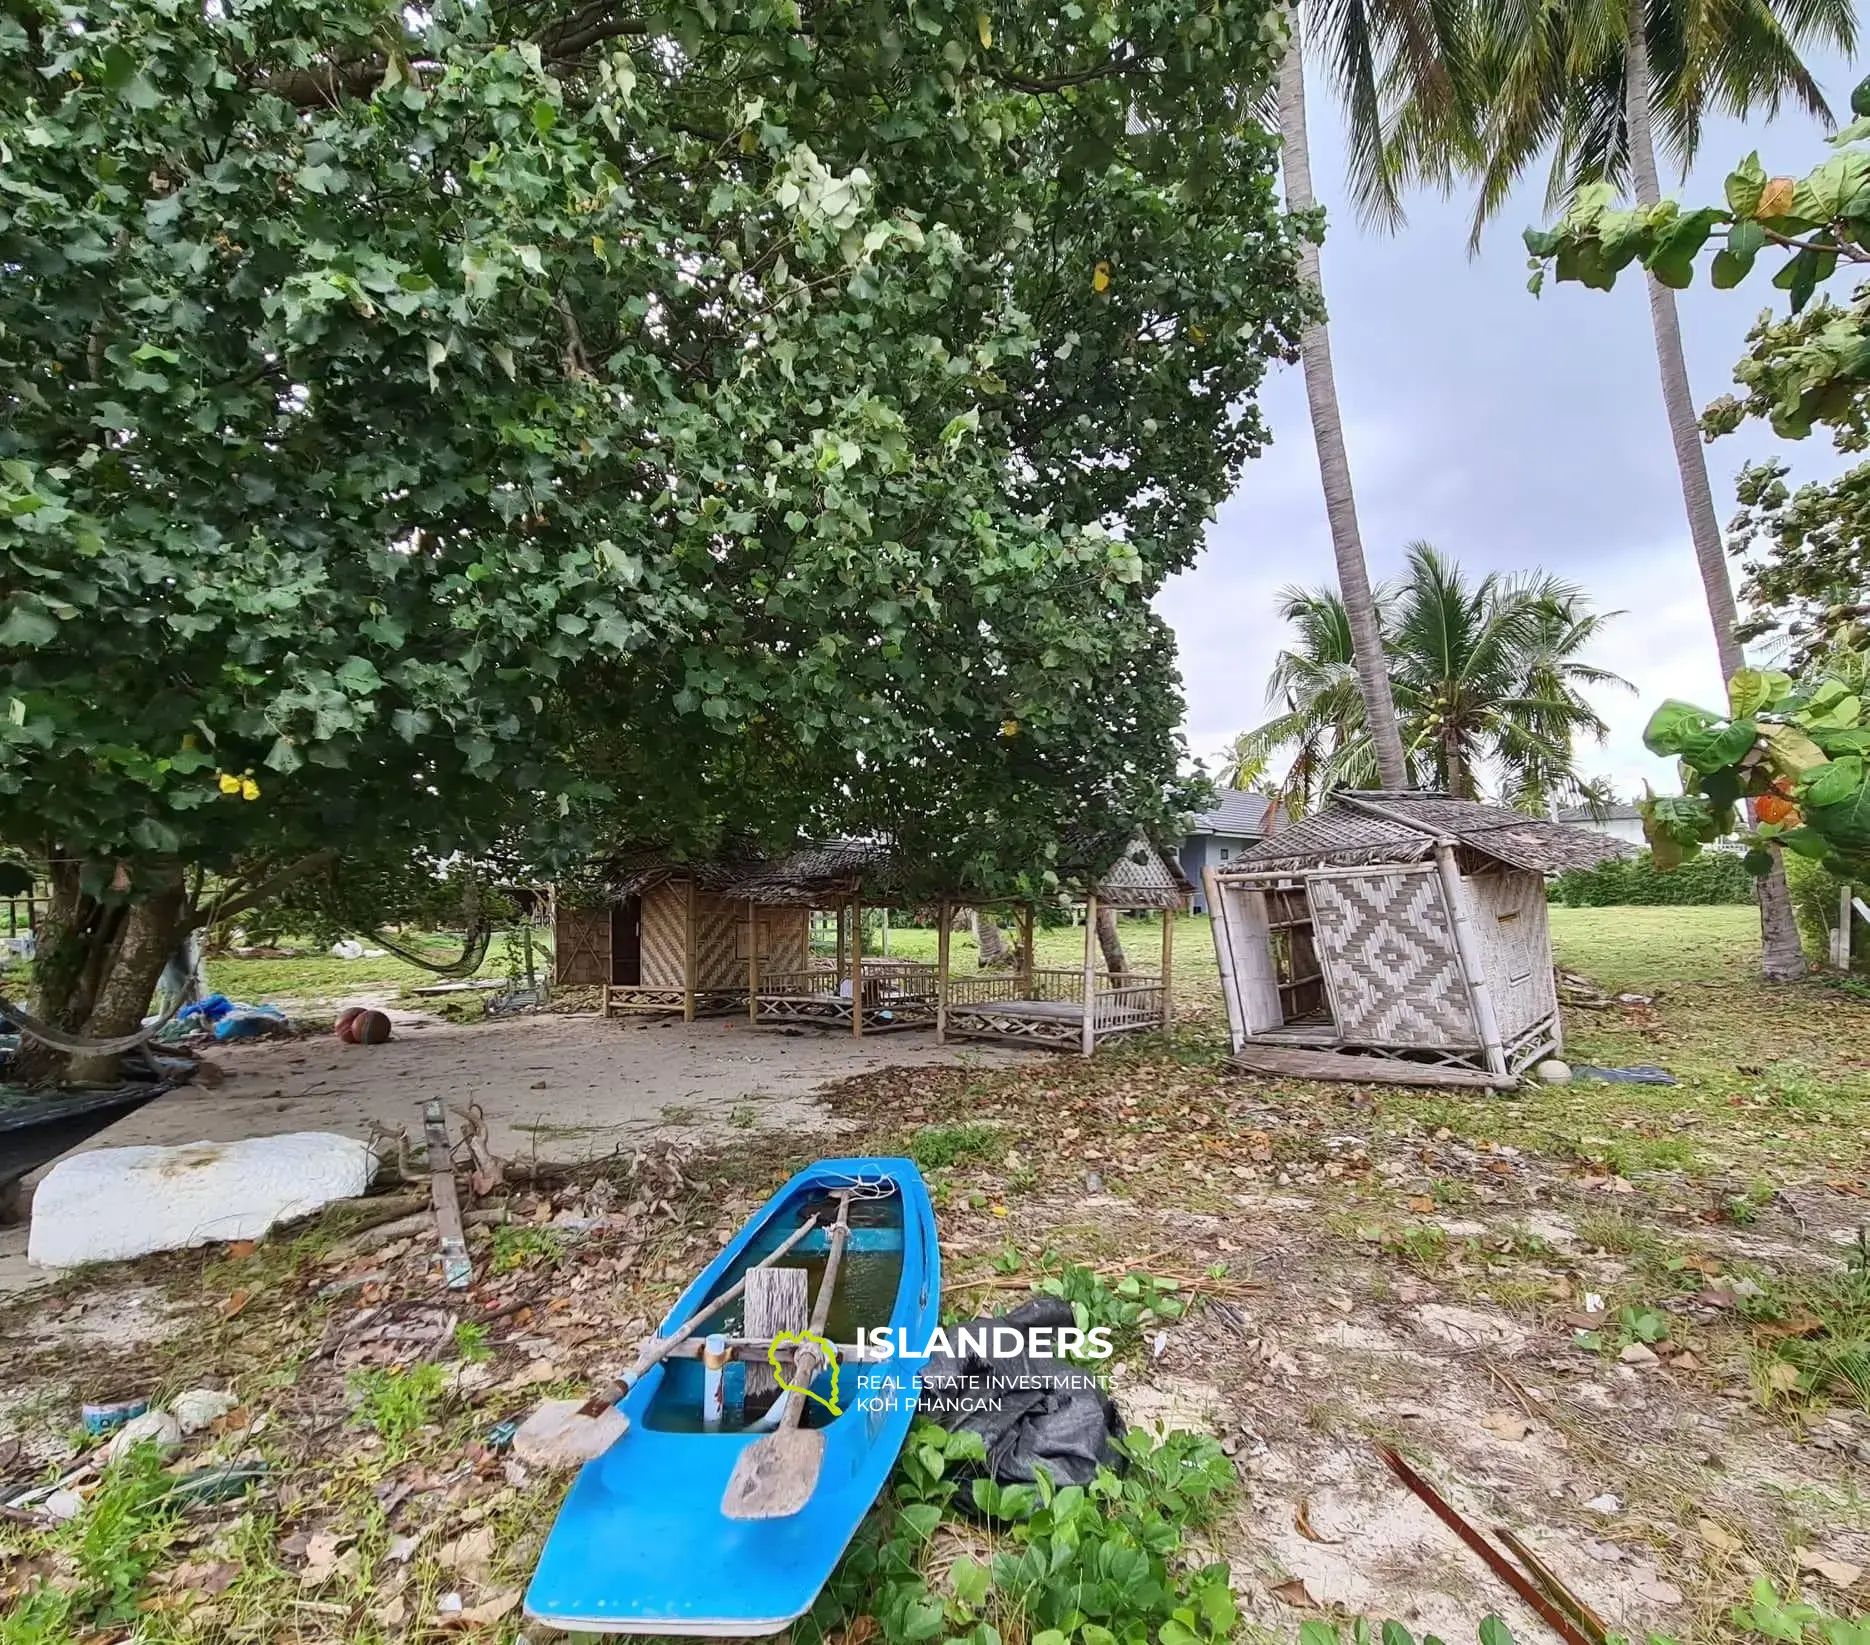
(630, 873)
(1359, 828)
(1141, 877)
(818, 876)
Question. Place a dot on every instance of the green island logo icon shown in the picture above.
(826, 1351)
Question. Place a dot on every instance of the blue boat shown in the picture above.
(641, 1544)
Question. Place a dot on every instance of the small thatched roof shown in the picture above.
(1359, 828)
(631, 873)
(1141, 877)
(818, 876)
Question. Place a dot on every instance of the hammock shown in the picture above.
(77, 1044)
(473, 951)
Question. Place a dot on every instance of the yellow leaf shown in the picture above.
(1009, 728)
(1100, 277)
(1775, 198)
(983, 26)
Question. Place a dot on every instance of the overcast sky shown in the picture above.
(1508, 430)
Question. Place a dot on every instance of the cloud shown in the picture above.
(1511, 432)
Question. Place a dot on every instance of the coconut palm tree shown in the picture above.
(1591, 84)
(1406, 57)
(1488, 678)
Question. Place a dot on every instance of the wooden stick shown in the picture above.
(1087, 1029)
(689, 964)
(457, 1270)
(657, 1348)
(1491, 1556)
(941, 974)
(857, 971)
(1596, 1629)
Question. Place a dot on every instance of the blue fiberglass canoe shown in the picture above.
(641, 1545)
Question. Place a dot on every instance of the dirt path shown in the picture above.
(560, 1088)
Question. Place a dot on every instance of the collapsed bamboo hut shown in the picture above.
(1396, 936)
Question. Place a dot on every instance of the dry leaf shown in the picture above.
(1302, 1523)
(1715, 1537)
(470, 1553)
(1803, 1325)
(238, 1248)
(860, 1630)
(1422, 1204)
(1840, 1573)
(1506, 1424)
(1639, 1354)
(322, 1560)
(231, 1308)
(1782, 1377)
(1658, 1592)
(1294, 1592)
(489, 1610)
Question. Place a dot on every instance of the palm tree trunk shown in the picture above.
(1328, 432)
(1781, 956)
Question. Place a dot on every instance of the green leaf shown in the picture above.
(920, 1519)
(971, 1580)
(1314, 1631)
(1394, 1633)
(1493, 1631)
(1744, 186)
(26, 627)
(1753, 689)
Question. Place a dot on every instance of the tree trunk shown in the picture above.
(991, 942)
(94, 972)
(1108, 940)
(1781, 956)
(1334, 466)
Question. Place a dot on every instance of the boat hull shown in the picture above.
(641, 1545)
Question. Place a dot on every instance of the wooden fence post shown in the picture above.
(941, 974)
(1168, 966)
(857, 968)
(753, 963)
(689, 966)
(1088, 1033)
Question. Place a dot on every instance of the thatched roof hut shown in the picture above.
(1402, 926)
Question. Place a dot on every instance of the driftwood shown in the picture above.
(387, 1233)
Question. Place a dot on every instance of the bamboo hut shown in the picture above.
(670, 937)
(862, 993)
(1396, 936)
(1074, 1008)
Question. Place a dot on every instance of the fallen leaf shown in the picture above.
(1421, 1204)
(489, 1610)
(1586, 1319)
(1685, 1361)
(1506, 1424)
(1715, 1537)
(1605, 1504)
(1605, 1553)
(470, 1553)
(391, 1613)
(1802, 1325)
(860, 1630)
(1659, 1592)
(231, 1308)
(1840, 1573)
(1639, 1354)
(1302, 1523)
(238, 1248)
(322, 1559)
(1782, 1377)
(1294, 1592)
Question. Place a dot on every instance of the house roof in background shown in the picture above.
(1364, 827)
(1240, 812)
(1585, 817)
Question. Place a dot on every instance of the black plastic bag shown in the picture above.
(1027, 1408)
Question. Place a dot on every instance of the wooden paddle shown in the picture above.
(560, 1434)
(778, 1472)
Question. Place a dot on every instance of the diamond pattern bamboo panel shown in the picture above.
(720, 938)
(1386, 942)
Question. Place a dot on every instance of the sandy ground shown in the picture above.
(562, 1088)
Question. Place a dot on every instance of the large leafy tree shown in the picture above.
(1400, 70)
(1489, 682)
(1592, 86)
(435, 428)
(1796, 749)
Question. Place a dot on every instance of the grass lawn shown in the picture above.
(1627, 1322)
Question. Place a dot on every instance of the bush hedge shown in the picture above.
(1712, 877)
(1815, 905)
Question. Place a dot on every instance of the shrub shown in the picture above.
(1815, 904)
(1712, 877)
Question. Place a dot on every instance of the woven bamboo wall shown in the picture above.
(720, 938)
(1508, 914)
(581, 946)
(1388, 949)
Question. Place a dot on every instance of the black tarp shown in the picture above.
(1027, 1408)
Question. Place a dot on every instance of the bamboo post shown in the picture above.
(689, 967)
(1025, 950)
(857, 969)
(1168, 966)
(941, 974)
(1841, 938)
(1466, 948)
(1088, 1037)
(886, 932)
(838, 962)
(753, 963)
